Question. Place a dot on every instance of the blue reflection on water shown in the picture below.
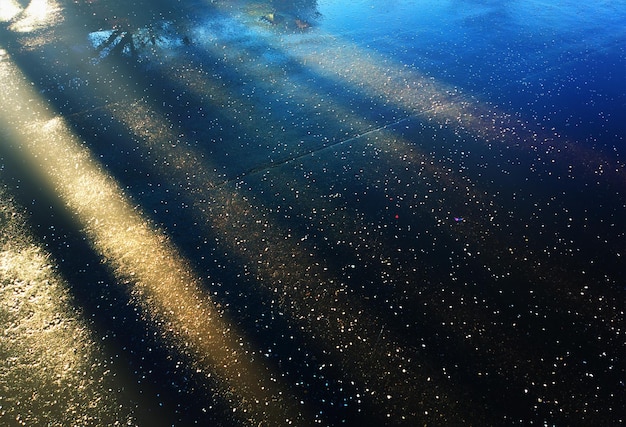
(563, 65)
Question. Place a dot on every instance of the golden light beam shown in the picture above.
(342, 326)
(52, 368)
(36, 16)
(9, 9)
(159, 280)
(307, 291)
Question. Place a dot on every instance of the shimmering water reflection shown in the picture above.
(273, 213)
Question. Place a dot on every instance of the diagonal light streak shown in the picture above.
(47, 348)
(311, 289)
(380, 77)
(309, 286)
(393, 84)
(445, 107)
(159, 280)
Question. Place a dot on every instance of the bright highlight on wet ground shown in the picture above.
(311, 213)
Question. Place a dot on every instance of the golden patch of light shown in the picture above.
(38, 14)
(158, 279)
(177, 163)
(49, 353)
(9, 9)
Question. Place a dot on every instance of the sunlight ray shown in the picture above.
(395, 84)
(441, 105)
(480, 239)
(9, 9)
(159, 280)
(38, 15)
(47, 347)
(309, 286)
(445, 105)
(418, 176)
